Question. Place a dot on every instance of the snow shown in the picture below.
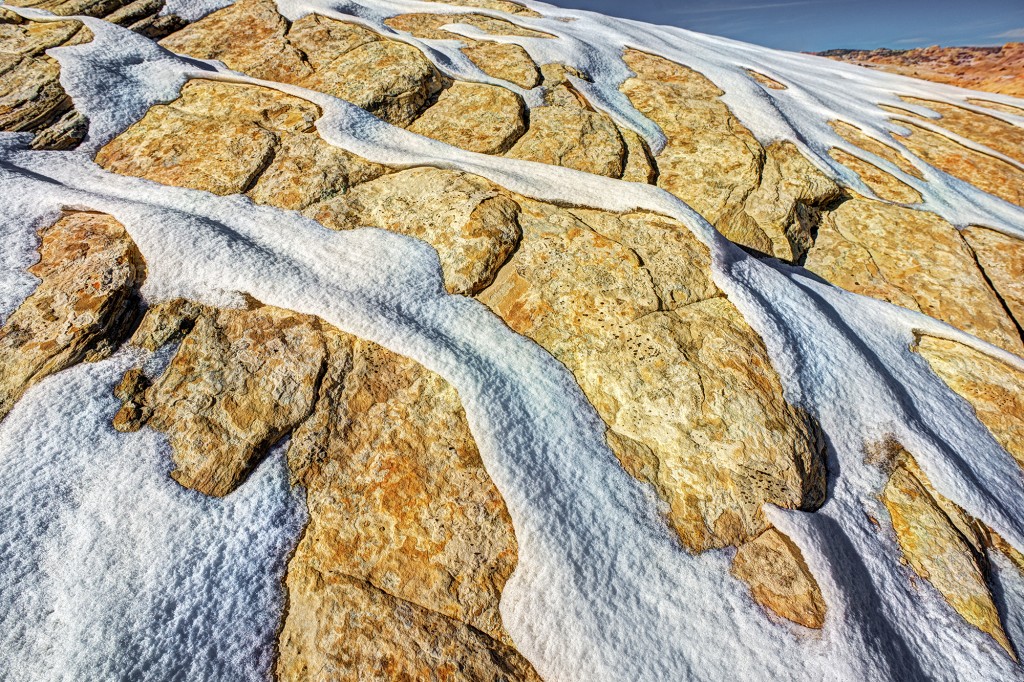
(113, 571)
(602, 590)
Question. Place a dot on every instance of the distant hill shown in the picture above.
(993, 69)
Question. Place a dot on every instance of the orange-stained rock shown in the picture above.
(946, 554)
(913, 259)
(390, 79)
(993, 388)
(226, 138)
(240, 380)
(31, 96)
(472, 224)
(82, 309)
(397, 493)
(886, 186)
(480, 118)
(773, 566)
(340, 628)
(981, 170)
(504, 60)
(766, 199)
(575, 138)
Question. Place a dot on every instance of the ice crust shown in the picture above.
(602, 590)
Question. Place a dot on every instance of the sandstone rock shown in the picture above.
(472, 224)
(240, 380)
(767, 200)
(1003, 137)
(572, 137)
(887, 187)
(430, 26)
(390, 79)
(786, 202)
(855, 136)
(504, 60)
(306, 170)
(639, 166)
(913, 259)
(226, 138)
(265, 51)
(779, 579)
(83, 307)
(994, 389)
(766, 81)
(397, 494)
(497, 5)
(31, 96)
(342, 629)
(481, 118)
(1001, 258)
(142, 16)
(939, 551)
(689, 394)
(985, 172)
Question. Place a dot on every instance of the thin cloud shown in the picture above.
(747, 8)
(1012, 33)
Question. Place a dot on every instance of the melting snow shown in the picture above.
(602, 591)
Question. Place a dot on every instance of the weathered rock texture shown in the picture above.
(143, 16)
(472, 224)
(83, 308)
(409, 545)
(913, 259)
(32, 99)
(993, 69)
(940, 542)
(779, 579)
(390, 79)
(767, 199)
(994, 389)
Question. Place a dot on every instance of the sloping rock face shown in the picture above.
(400, 570)
(993, 69)
(83, 308)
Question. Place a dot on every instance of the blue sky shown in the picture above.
(814, 25)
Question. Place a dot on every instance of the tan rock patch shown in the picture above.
(82, 309)
(505, 61)
(884, 185)
(938, 550)
(766, 200)
(779, 579)
(996, 134)
(476, 117)
(390, 79)
(472, 224)
(995, 390)
(913, 259)
(689, 395)
(227, 138)
(340, 628)
(574, 138)
(397, 492)
(1002, 259)
(240, 380)
(985, 172)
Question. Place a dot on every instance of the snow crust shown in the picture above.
(113, 571)
(602, 590)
